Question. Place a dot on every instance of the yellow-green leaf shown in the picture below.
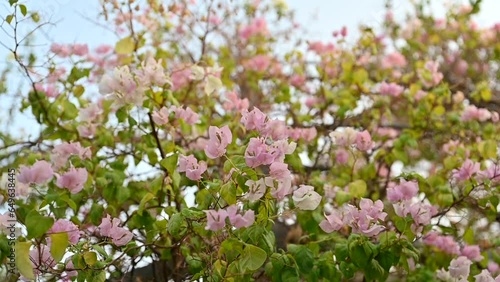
(439, 110)
(488, 149)
(144, 200)
(90, 258)
(23, 9)
(125, 46)
(9, 18)
(60, 242)
(23, 262)
(486, 94)
(357, 188)
(78, 90)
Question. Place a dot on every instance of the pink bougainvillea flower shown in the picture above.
(393, 60)
(472, 252)
(109, 227)
(364, 141)
(279, 171)
(123, 87)
(90, 113)
(258, 153)
(50, 90)
(253, 120)
(333, 222)
(430, 75)
(80, 49)
(485, 276)
(466, 171)
(344, 138)
(74, 179)
(62, 152)
(474, 113)
(341, 156)
(87, 130)
(161, 117)
(259, 63)
(391, 89)
(39, 173)
(64, 225)
(218, 140)
(320, 48)
(233, 102)
(258, 26)
(41, 258)
(404, 191)
(238, 220)
(188, 115)
(192, 167)
(460, 268)
(305, 198)
(180, 78)
(276, 129)
(60, 50)
(216, 220)
(444, 243)
(152, 73)
(283, 188)
(281, 148)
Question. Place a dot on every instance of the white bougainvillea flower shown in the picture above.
(305, 198)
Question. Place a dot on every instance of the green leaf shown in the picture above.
(170, 163)
(228, 193)
(70, 111)
(9, 18)
(60, 242)
(144, 200)
(125, 46)
(231, 248)
(90, 258)
(78, 90)
(358, 255)
(347, 269)
(360, 76)
(100, 250)
(176, 225)
(23, 261)
(488, 149)
(193, 213)
(253, 258)
(303, 256)
(357, 188)
(23, 9)
(342, 197)
(486, 94)
(97, 276)
(439, 110)
(341, 251)
(37, 224)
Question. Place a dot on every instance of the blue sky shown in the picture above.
(74, 18)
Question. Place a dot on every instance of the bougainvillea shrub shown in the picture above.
(213, 141)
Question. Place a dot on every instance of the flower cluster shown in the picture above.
(192, 167)
(128, 87)
(216, 219)
(109, 227)
(364, 220)
(161, 116)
